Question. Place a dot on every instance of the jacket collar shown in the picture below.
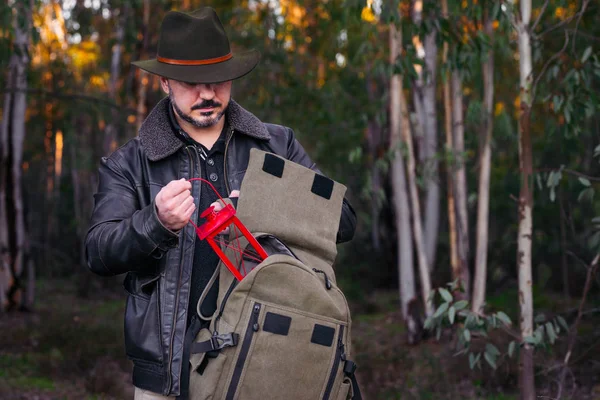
(159, 140)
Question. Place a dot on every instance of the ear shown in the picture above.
(164, 84)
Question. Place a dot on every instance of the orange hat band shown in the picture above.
(195, 62)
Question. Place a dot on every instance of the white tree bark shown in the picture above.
(424, 95)
(415, 207)
(18, 136)
(432, 199)
(485, 164)
(406, 275)
(526, 376)
(460, 182)
(12, 218)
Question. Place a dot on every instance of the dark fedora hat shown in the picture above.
(193, 47)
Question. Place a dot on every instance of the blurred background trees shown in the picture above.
(442, 117)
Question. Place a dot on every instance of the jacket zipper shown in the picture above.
(339, 354)
(239, 365)
(176, 311)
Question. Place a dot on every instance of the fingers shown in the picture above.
(218, 207)
(186, 207)
(217, 204)
(175, 188)
(175, 204)
(187, 213)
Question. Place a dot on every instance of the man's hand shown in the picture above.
(175, 204)
(217, 204)
(218, 207)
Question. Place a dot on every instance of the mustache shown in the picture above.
(206, 104)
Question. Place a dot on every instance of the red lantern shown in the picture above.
(219, 221)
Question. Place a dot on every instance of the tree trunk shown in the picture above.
(415, 206)
(110, 134)
(5, 267)
(406, 275)
(374, 144)
(450, 166)
(14, 247)
(432, 199)
(485, 164)
(460, 183)
(425, 106)
(143, 75)
(526, 376)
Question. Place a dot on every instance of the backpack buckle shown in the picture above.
(223, 340)
(349, 368)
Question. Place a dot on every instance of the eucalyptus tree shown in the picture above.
(13, 232)
(485, 162)
(406, 275)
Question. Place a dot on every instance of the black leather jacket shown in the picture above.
(126, 235)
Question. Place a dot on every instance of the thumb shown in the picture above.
(234, 193)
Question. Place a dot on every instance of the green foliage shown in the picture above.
(473, 326)
(572, 91)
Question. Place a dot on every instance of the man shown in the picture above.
(144, 201)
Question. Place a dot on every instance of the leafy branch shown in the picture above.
(471, 325)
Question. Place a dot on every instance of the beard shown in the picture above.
(198, 123)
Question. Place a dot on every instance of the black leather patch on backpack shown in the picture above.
(322, 186)
(322, 335)
(273, 165)
(277, 323)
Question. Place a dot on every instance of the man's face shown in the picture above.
(199, 104)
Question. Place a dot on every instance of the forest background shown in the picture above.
(467, 132)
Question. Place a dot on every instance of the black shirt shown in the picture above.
(212, 168)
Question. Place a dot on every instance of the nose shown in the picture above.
(206, 91)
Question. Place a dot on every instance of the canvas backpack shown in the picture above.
(283, 331)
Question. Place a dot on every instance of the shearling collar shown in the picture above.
(159, 140)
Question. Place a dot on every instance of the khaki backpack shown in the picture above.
(282, 332)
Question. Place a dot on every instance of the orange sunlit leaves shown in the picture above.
(50, 24)
(84, 54)
(294, 13)
(367, 13)
(562, 13)
(517, 104)
(99, 81)
(498, 108)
